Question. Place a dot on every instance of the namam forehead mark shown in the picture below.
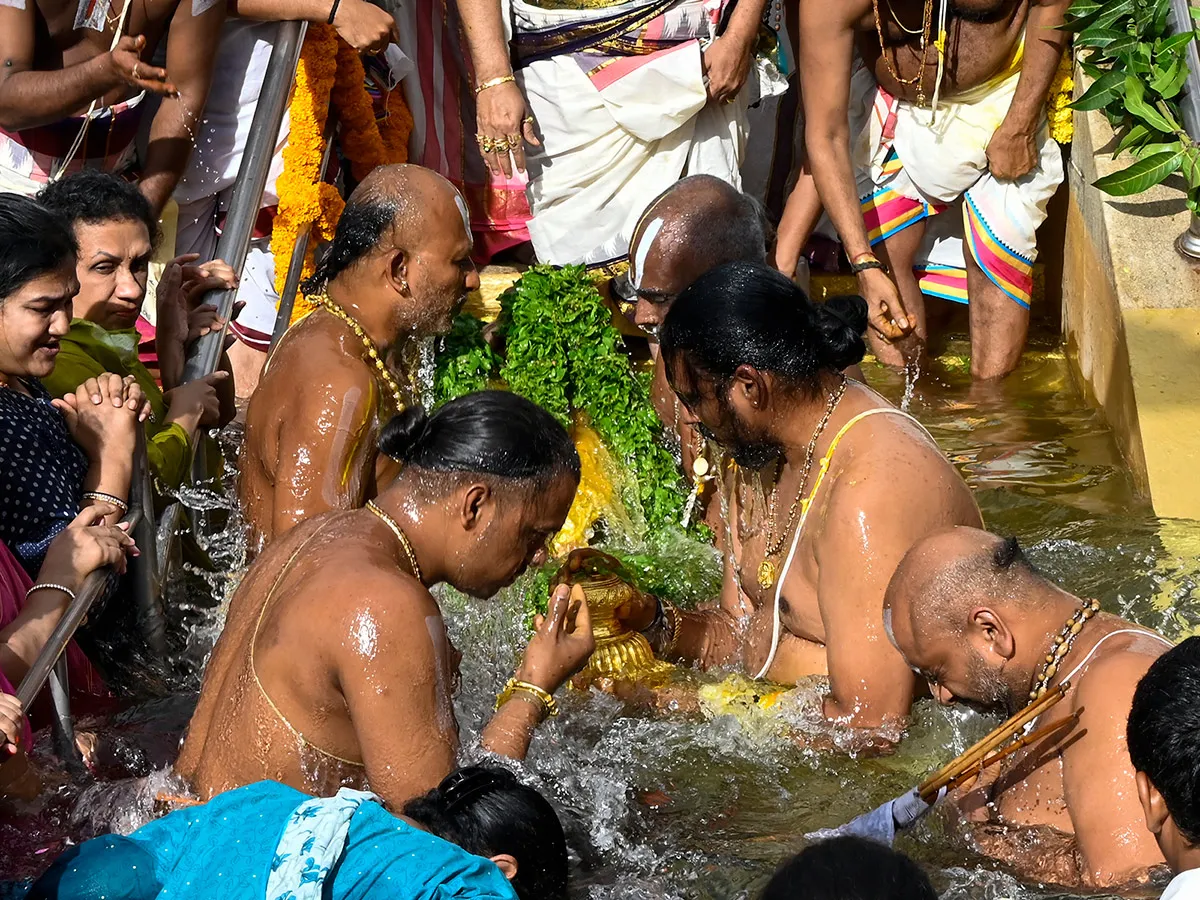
(889, 627)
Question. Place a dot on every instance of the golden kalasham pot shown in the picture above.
(620, 654)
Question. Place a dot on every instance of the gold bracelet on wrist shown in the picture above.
(493, 82)
(544, 697)
(103, 497)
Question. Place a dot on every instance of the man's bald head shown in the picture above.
(945, 575)
(699, 223)
(399, 207)
(951, 606)
(404, 238)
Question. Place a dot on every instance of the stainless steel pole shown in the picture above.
(1180, 20)
(146, 585)
(234, 243)
(76, 612)
(248, 189)
(64, 723)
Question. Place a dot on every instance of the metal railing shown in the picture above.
(1180, 20)
(51, 664)
(205, 355)
(291, 285)
(156, 545)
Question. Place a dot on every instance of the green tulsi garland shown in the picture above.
(562, 352)
(465, 361)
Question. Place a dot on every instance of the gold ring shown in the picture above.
(528, 120)
(500, 145)
(135, 71)
(485, 144)
(514, 141)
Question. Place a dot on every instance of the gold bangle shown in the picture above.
(493, 82)
(549, 707)
(108, 498)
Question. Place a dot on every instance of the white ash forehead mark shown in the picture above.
(643, 250)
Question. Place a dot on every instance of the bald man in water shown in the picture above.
(400, 269)
(977, 621)
(697, 224)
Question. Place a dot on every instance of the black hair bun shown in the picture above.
(842, 322)
(403, 432)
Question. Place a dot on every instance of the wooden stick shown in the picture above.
(1031, 738)
(999, 735)
(176, 800)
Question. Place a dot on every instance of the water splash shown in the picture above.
(912, 372)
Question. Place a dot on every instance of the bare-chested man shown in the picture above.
(831, 488)
(977, 621)
(987, 160)
(334, 667)
(398, 270)
(697, 224)
(59, 56)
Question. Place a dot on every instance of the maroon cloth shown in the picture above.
(14, 582)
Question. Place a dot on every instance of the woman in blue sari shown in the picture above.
(480, 835)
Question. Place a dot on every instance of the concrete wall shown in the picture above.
(1131, 320)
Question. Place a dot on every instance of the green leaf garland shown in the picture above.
(562, 352)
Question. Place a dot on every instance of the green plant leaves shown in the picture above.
(1135, 137)
(1190, 166)
(465, 362)
(1104, 90)
(562, 352)
(1175, 41)
(1143, 174)
(1136, 104)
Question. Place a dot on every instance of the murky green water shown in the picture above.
(687, 807)
(695, 808)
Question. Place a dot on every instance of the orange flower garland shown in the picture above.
(330, 75)
(300, 196)
(359, 135)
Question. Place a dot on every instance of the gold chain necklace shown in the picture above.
(322, 300)
(1061, 647)
(926, 27)
(400, 536)
(773, 544)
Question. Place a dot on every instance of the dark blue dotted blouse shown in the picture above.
(41, 473)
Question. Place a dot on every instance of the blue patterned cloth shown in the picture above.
(41, 474)
(267, 841)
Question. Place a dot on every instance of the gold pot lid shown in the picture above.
(587, 566)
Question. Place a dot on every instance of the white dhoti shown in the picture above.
(913, 164)
(618, 130)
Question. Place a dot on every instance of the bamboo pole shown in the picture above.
(1012, 748)
(974, 754)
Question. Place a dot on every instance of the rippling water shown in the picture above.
(687, 807)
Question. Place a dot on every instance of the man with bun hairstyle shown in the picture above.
(399, 269)
(334, 667)
(831, 486)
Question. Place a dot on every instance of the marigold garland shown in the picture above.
(330, 75)
(1058, 103)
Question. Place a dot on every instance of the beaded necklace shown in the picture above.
(1061, 647)
(322, 300)
(774, 545)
